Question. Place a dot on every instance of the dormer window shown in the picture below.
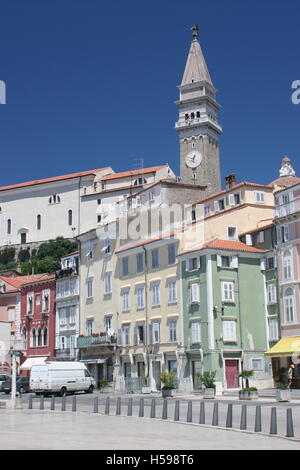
(54, 199)
(192, 115)
(186, 116)
(140, 181)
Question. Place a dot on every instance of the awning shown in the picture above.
(94, 361)
(33, 360)
(285, 347)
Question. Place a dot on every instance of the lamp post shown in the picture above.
(16, 348)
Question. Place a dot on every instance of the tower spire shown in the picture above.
(196, 69)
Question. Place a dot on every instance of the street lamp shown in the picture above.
(16, 348)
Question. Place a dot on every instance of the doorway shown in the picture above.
(156, 374)
(197, 372)
(231, 373)
(23, 238)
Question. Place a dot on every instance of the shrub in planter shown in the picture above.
(207, 380)
(282, 393)
(168, 379)
(248, 393)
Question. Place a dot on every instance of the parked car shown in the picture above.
(61, 378)
(3, 378)
(22, 385)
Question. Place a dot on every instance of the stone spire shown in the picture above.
(195, 69)
(286, 168)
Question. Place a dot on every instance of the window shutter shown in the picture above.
(263, 264)
(231, 200)
(219, 261)
(119, 337)
(135, 336)
(216, 204)
(150, 334)
(234, 262)
(249, 239)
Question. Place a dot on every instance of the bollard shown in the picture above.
(202, 413)
(215, 419)
(141, 408)
(63, 403)
(152, 411)
(96, 405)
(189, 417)
(243, 424)
(129, 408)
(229, 416)
(41, 402)
(273, 425)
(30, 402)
(107, 405)
(257, 427)
(165, 409)
(176, 412)
(74, 403)
(52, 407)
(118, 406)
(289, 423)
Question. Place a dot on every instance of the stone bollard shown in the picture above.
(96, 405)
(289, 423)
(243, 423)
(30, 402)
(257, 426)
(273, 425)
(165, 409)
(107, 405)
(129, 408)
(189, 417)
(118, 406)
(152, 411)
(141, 408)
(215, 419)
(74, 403)
(176, 412)
(52, 406)
(41, 402)
(202, 413)
(229, 416)
(63, 403)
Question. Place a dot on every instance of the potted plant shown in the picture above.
(145, 386)
(247, 392)
(207, 380)
(282, 391)
(168, 379)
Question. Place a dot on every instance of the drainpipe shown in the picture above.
(146, 313)
(240, 319)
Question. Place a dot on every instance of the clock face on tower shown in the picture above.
(193, 159)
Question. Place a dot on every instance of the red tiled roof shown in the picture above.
(49, 277)
(52, 179)
(17, 282)
(229, 245)
(233, 188)
(124, 174)
(257, 229)
(70, 254)
(146, 242)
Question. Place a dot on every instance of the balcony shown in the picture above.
(289, 209)
(73, 271)
(66, 353)
(95, 340)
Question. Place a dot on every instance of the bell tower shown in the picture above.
(197, 126)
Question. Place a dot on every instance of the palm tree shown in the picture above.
(245, 375)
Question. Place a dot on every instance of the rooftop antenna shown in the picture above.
(138, 164)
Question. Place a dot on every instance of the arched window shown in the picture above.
(39, 337)
(38, 222)
(54, 199)
(140, 181)
(192, 115)
(186, 116)
(70, 217)
(45, 336)
(33, 338)
(9, 226)
(198, 114)
(24, 333)
(289, 305)
(287, 265)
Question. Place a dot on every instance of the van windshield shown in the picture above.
(86, 373)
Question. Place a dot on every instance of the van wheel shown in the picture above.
(63, 392)
(90, 389)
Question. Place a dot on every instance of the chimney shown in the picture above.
(230, 181)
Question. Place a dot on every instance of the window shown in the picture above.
(193, 264)
(38, 222)
(195, 332)
(11, 311)
(227, 291)
(172, 298)
(155, 293)
(125, 300)
(271, 263)
(98, 201)
(140, 181)
(257, 364)
(126, 335)
(155, 332)
(90, 288)
(90, 327)
(38, 299)
(234, 199)
(260, 237)
(46, 300)
(90, 253)
(39, 337)
(271, 293)
(62, 316)
(9, 227)
(108, 323)
(125, 266)
(232, 233)
(33, 338)
(219, 205)
(139, 334)
(139, 263)
(154, 258)
(54, 199)
(283, 233)
(30, 302)
(194, 292)
(107, 283)
(172, 253)
(287, 265)
(140, 297)
(107, 246)
(273, 329)
(227, 261)
(259, 197)
(229, 331)
(207, 210)
(70, 217)
(173, 331)
(288, 301)
(151, 196)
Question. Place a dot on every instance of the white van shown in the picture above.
(61, 378)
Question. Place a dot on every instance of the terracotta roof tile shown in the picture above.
(123, 174)
(17, 282)
(229, 245)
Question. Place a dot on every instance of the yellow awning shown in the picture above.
(285, 347)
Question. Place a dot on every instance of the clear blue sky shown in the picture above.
(92, 83)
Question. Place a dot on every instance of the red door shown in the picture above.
(231, 373)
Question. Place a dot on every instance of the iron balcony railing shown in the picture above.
(95, 340)
(288, 208)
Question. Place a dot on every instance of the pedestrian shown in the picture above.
(290, 375)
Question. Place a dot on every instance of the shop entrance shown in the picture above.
(196, 371)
